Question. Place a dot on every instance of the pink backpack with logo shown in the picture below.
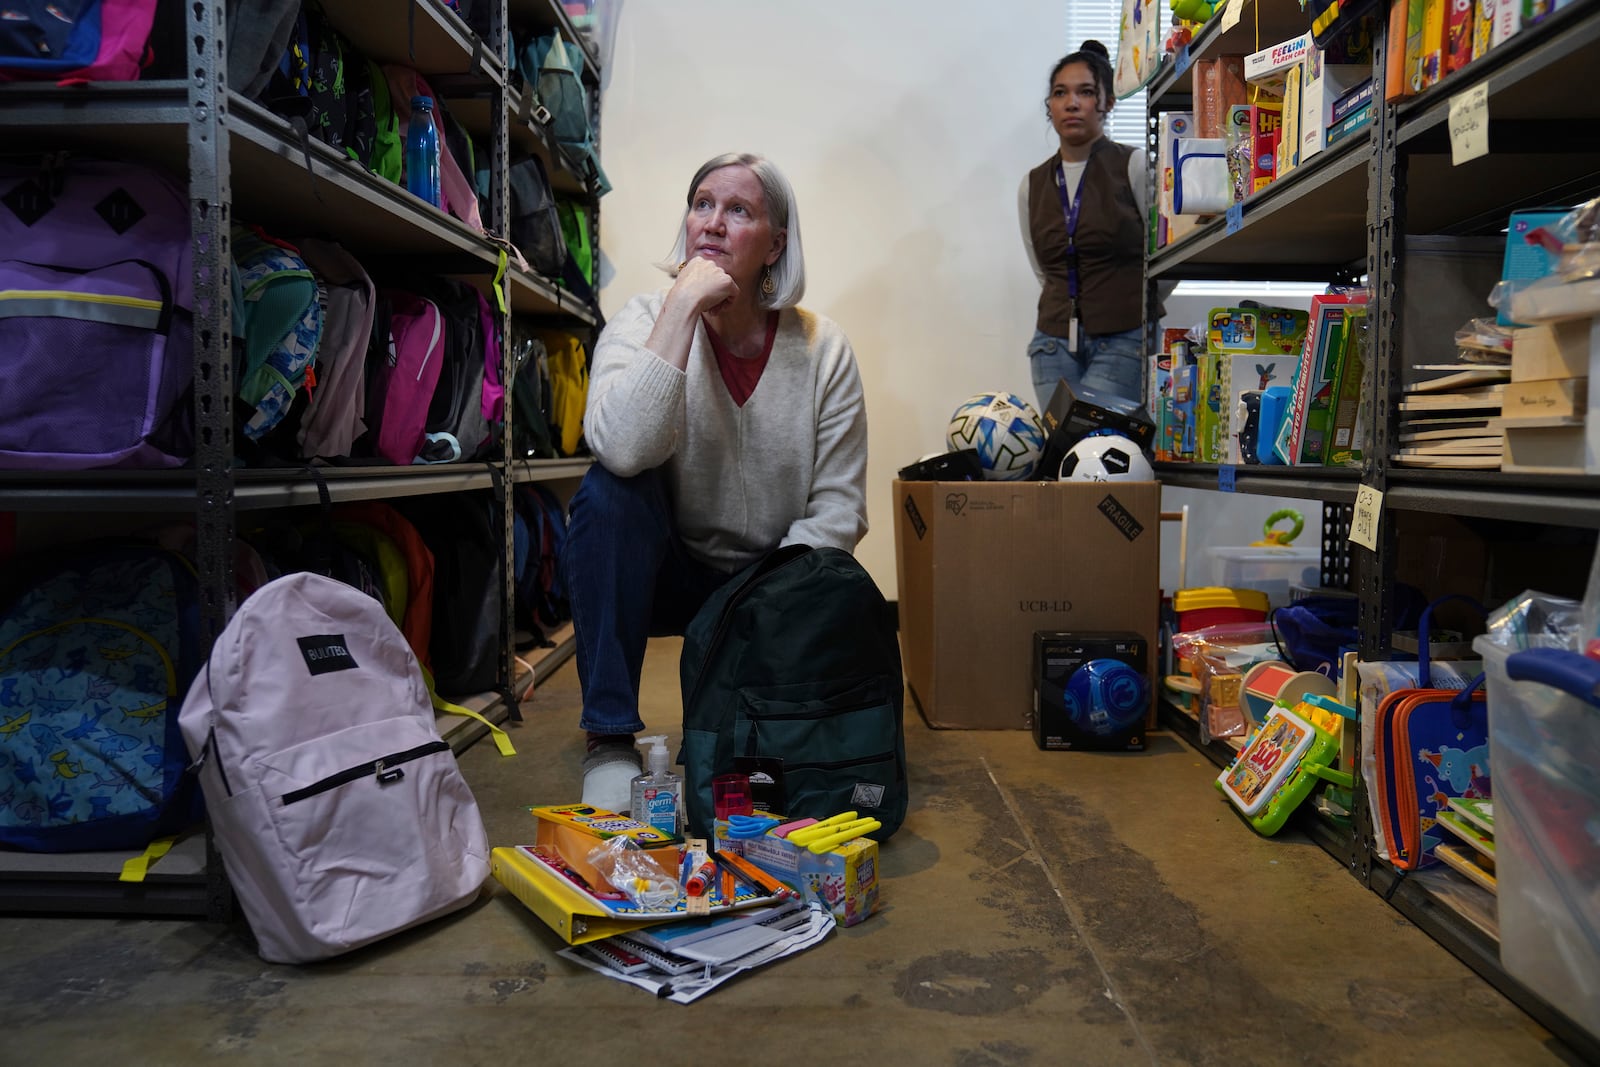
(67, 41)
(340, 814)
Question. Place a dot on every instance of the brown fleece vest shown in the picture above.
(1110, 244)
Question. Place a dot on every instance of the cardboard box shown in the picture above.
(1323, 86)
(1078, 706)
(983, 565)
(1072, 415)
(1458, 35)
(1553, 350)
(1242, 373)
(1170, 226)
(1269, 67)
(1551, 398)
(1218, 85)
(1288, 155)
(1266, 124)
(844, 878)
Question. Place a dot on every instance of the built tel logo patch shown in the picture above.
(326, 653)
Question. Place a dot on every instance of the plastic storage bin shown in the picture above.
(1544, 748)
(1268, 568)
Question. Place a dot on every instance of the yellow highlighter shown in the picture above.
(848, 832)
(821, 829)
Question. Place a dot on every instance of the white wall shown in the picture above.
(905, 127)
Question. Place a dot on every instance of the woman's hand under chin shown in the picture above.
(704, 285)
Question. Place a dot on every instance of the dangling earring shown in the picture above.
(768, 286)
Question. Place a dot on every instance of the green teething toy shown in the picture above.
(1279, 537)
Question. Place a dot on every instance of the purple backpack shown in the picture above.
(94, 262)
(67, 41)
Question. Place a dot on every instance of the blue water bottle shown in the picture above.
(422, 152)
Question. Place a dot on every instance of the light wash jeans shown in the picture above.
(629, 578)
(1110, 364)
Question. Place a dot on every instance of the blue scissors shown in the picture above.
(746, 827)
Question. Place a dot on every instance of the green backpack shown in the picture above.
(796, 659)
(387, 151)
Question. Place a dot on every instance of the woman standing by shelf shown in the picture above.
(1083, 215)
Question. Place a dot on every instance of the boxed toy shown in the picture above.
(1243, 373)
(1346, 432)
(1324, 84)
(1257, 330)
(1090, 690)
(1288, 154)
(1266, 124)
(1073, 414)
(845, 878)
(1314, 399)
(1269, 67)
(1524, 262)
(1185, 408)
(1218, 85)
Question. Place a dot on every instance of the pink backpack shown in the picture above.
(76, 41)
(404, 383)
(340, 814)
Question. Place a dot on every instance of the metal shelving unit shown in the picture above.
(1337, 213)
(245, 163)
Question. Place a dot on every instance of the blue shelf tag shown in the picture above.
(1225, 476)
(1235, 218)
(1180, 61)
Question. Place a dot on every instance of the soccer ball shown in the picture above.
(1003, 429)
(1106, 458)
(1106, 696)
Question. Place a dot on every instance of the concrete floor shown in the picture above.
(1038, 909)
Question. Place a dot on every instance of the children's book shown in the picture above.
(1465, 861)
(1477, 811)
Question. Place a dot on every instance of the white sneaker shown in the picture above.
(608, 774)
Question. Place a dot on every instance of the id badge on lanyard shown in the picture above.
(1069, 211)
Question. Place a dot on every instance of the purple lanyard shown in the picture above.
(1069, 208)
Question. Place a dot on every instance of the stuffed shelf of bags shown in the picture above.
(380, 241)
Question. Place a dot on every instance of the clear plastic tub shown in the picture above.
(1272, 569)
(1544, 752)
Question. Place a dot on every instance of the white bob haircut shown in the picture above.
(789, 272)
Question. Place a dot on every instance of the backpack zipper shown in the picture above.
(385, 769)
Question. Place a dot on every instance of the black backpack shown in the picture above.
(531, 437)
(465, 534)
(796, 657)
(535, 224)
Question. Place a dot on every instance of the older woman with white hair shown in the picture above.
(727, 422)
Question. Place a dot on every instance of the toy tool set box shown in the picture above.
(1074, 414)
(1090, 690)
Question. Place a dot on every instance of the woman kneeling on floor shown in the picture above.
(727, 422)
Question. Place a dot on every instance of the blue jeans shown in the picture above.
(629, 578)
(1111, 364)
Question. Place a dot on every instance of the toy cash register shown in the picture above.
(1278, 769)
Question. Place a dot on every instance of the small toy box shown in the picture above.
(845, 878)
(575, 830)
(1090, 690)
(1278, 768)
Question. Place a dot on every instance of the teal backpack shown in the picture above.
(796, 659)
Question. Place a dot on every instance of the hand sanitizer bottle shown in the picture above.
(658, 793)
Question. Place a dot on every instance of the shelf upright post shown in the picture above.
(1152, 295)
(1385, 241)
(210, 210)
(500, 226)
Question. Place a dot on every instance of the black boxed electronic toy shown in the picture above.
(1090, 690)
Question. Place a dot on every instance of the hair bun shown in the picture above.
(1097, 48)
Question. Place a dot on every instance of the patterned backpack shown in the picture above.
(95, 659)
